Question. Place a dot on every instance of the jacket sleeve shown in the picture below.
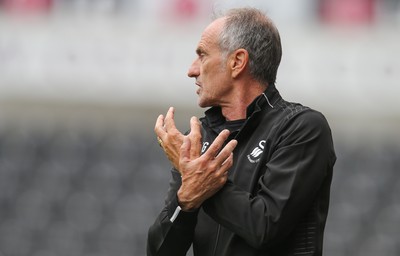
(171, 234)
(303, 157)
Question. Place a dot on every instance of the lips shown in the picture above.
(198, 90)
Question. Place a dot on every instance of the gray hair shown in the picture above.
(252, 30)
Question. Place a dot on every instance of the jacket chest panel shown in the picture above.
(250, 159)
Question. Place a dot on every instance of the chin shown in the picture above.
(202, 104)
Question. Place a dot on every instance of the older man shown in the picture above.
(253, 177)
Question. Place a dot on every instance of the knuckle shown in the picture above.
(213, 165)
(223, 180)
(202, 164)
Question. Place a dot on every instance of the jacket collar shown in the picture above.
(265, 100)
(213, 116)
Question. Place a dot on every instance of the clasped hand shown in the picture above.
(202, 175)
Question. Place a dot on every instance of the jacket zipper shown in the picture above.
(219, 225)
(216, 242)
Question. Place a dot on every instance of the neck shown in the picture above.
(237, 107)
(234, 112)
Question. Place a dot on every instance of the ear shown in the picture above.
(238, 62)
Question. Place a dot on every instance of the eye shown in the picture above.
(202, 56)
(200, 53)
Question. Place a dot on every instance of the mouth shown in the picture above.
(198, 90)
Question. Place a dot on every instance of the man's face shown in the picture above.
(210, 69)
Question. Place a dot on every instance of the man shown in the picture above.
(253, 178)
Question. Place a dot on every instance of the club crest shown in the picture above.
(255, 155)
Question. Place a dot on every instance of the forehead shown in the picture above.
(210, 35)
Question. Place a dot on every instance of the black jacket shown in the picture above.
(276, 199)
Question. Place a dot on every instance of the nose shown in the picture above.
(194, 70)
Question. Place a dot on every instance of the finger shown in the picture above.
(158, 128)
(217, 144)
(185, 150)
(226, 152)
(195, 137)
(226, 165)
(169, 119)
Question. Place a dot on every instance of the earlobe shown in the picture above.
(239, 61)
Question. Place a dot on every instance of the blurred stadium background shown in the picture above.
(82, 82)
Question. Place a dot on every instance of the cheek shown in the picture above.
(213, 78)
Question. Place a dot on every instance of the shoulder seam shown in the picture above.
(291, 109)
